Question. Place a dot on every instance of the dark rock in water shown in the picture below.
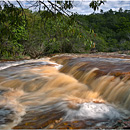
(126, 124)
(5, 114)
(3, 91)
(38, 120)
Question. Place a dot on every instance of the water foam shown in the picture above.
(10, 108)
(94, 111)
(42, 61)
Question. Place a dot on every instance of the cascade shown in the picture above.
(84, 92)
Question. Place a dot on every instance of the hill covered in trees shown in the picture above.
(36, 34)
(112, 26)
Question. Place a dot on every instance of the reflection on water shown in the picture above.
(85, 93)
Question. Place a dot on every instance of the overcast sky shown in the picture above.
(82, 6)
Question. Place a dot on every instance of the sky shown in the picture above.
(82, 6)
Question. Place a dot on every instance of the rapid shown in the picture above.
(65, 91)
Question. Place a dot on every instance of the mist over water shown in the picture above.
(82, 91)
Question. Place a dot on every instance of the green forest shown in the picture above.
(113, 27)
(36, 34)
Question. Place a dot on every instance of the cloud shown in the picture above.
(82, 6)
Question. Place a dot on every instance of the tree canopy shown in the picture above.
(112, 26)
(49, 29)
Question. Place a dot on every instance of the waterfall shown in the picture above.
(85, 92)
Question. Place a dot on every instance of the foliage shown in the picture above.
(96, 4)
(55, 34)
(113, 27)
(24, 32)
(61, 6)
(13, 33)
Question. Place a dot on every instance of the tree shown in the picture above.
(101, 11)
(95, 4)
(12, 30)
(120, 10)
(113, 27)
(16, 29)
(54, 6)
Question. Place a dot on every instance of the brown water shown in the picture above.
(89, 91)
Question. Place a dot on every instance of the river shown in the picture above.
(65, 91)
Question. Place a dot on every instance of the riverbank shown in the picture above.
(102, 54)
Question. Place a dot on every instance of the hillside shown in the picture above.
(112, 26)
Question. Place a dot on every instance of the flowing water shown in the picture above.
(65, 91)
